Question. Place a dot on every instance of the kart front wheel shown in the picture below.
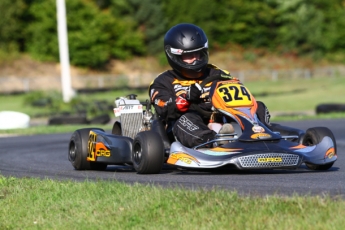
(148, 152)
(77, 152)
(314, 136)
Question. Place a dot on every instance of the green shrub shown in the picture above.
(101, 30)
(12, 26)
(94, 36)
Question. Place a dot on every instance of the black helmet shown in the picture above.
(186, 38)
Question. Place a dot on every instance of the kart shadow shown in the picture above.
(235, 171)
(120, 168)
(170, 169)
(129, 169)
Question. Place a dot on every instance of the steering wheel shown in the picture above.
(196, 107)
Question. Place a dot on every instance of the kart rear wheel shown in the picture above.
(148, 153)
(77, 152)
(314, 136)
(116, 128)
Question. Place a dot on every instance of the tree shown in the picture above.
(12, 25)
(145, 16)
(311, 26)
(95, 36)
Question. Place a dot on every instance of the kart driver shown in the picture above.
(173, 91)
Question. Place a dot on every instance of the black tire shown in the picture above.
(314, 136)
(330, 108)
(148, 153)
(69, 119)
(77, 151)
(101, 119)
(116, 128)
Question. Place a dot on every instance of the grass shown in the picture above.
(298, 95)
(279, 96)
(48, 204)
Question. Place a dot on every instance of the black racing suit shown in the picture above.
(168, 95)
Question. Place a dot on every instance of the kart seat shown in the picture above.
(158, 126)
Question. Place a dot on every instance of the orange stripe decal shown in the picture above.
(298, 147)
(330, 153)
(179, 156)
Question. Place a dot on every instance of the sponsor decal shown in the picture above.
(226, 75)
(230, 81)
(91, 146)
(160, 103)
(205, 95)
(181, 92)
(128, 109)
(102, 150)
(180, 156)
(184, 83)
(258, 129)
(270, 159)
(177, 87)
(330, 153)
(176, 51)
(260, 136)
(187, 123)
(96, 149)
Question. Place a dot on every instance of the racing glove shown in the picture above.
(182, 104)
(194, 92)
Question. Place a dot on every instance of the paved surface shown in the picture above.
(45, 156)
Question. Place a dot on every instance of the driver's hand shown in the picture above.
(194, 92)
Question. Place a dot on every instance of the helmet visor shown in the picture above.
(192, 58)
(181, 51)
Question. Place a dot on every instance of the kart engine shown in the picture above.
(133, 117)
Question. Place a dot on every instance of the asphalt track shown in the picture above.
(45, 156)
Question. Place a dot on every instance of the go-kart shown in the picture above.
(139, 139)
